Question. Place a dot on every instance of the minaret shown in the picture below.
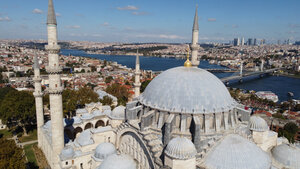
(38, 94)
(137, 83)
(55, 87)
(194, 45)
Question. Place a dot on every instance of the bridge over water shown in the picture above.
(248, 74)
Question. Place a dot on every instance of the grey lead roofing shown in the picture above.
(196, 25)
(51, 20)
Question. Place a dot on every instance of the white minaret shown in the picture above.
(137, 83)
(55, 87)
(195, 37)
(38, 94)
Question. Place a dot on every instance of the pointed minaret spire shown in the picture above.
(196, 25)
(137, 83)
(51, 20)
(38, 94)
(194, 45)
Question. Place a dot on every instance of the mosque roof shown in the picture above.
(288, 155)
(87, 116)
(181, 148)
(85, 138)
(67, 153)
(115, 161)
(103, 150)
(187, 90)
(118, 112)
(236, 152)
(257, 123)
(81, 111)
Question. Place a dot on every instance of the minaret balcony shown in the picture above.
(54, 49)
(56, 90)
(137, 72)
(137, 84)
(37, 79)
(54, 69)
(38, 94)
(195, 47)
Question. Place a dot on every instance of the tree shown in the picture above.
(119, 91)
(69, 101)
(18, 107)
(144, 85)
(106, 100)
(289, 131)
(86, 95)
(73, 98)
(11, 156)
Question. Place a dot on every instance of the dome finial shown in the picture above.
(187, 63)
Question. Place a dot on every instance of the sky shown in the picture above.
(152, 20)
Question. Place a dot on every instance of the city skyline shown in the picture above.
(155, 21)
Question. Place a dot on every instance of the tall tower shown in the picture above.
(243, 41)
(38, 94)
(137, 83)
(55, 86)
(194, 45)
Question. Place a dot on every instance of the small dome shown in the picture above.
(187, 90)
(181, 148)
(85, 138)
(287, 155)
(257, 123)
(236, 152)
(67, 153)
(103, 150)
(115, 161)
(118, 112)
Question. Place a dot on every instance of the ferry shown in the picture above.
(267, 95)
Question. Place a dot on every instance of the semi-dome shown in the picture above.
(103, 150)
(257, 123)
(187, 90)
(115, 161)
(67, 153)
(236, 152)
(287, 155)
(118, 112)
(181, 148)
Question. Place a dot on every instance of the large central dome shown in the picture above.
(187, 90)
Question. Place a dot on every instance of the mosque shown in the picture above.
(185, 119)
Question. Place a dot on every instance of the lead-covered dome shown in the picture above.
(103, 150)
(187, 90)
(257, 123)
(287, 155)
(236, 152)
(181, 148)
(115, 161)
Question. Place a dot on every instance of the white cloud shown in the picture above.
(37, 11)
(6, 18)
(211, 19)
(58, 14)
(105, 24)
(235, 26)
(73, 27)
(128, 8)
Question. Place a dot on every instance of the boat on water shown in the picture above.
(290, 94)
(267, 95)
